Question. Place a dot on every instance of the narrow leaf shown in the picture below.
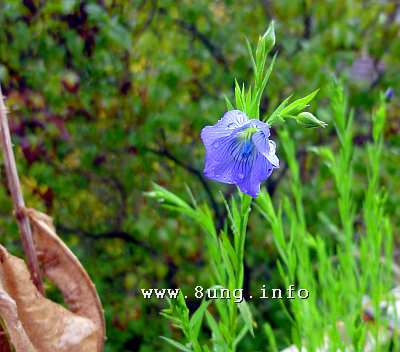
(299, 104)
(176, 344)
(197, 318)
(246, 315)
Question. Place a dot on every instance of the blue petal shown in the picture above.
(226, 147)
(232, 158)
(224, 127)
(245, 169)
(232, 119)
(220, 171)
(226, 159)
(266, 147)
(260, 170)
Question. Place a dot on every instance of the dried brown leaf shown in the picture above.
(49, 326)
(32, 322)
(12, 331)
(61, 266)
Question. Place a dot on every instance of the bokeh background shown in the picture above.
(106, 97)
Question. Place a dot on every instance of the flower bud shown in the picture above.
(269, 37)
(308, 120)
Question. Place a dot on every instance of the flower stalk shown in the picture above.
(17, 197)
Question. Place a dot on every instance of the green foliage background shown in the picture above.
(107, 96)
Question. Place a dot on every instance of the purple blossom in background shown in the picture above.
(389, 94)
(239, 152)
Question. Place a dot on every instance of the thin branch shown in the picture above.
(190, 28)
(17, 198)
(211, 47)
(118, 234)
(149, 18)
(307, 20)
(267, 6)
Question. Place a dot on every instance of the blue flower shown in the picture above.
(239, 152)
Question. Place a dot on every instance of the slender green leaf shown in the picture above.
(246, 315)
(197, 318)
(176, 344)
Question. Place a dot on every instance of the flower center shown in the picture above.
(248, 132)
(247, 148)
(246, 142)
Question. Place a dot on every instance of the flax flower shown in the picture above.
(239, 151)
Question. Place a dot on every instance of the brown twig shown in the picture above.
(17, 198)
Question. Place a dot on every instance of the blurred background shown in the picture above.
(106, 97)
